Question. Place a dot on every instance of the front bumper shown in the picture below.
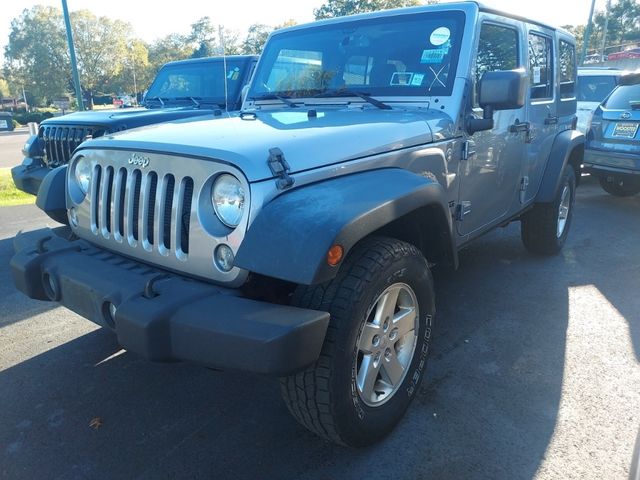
(606, 162)
(29, 177)
(166, 317)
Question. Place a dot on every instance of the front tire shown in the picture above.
(373, 359)
(544, 228)
(619, 186)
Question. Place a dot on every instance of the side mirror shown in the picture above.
(499, 90)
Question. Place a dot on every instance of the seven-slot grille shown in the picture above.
(142, 207)
(61, 140)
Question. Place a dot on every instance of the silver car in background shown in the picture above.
(594, 84)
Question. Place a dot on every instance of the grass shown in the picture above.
(9, 194)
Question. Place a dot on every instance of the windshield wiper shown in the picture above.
(274, 96)
(193, 99)
(344, 92)
(159, 99)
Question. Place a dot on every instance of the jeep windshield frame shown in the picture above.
(186, 83)
(409, 54)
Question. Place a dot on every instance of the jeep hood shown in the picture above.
(127, 117)
(307, 141)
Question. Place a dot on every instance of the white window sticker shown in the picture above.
(401, 78)
(440, 36)
(536, 75)
(417, 79)
(435, 55)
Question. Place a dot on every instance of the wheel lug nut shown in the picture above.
(376, 340)
(387, 353)
(385, 325)
(393, 334)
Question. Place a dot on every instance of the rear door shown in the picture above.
(542, 117)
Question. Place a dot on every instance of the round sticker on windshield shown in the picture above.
(440, 36)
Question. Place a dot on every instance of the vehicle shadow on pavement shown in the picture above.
(15, 306)
(488, 407)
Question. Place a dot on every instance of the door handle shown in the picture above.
(551, 120)
(520, 127)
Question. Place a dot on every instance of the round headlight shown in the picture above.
(228, 199)
(82, 173)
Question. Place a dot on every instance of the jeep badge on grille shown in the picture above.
(139, 160)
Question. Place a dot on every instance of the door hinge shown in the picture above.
(280, 168)
(524, 185)
(467, 151)
(462, 209)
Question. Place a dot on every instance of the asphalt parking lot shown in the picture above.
(11, 147)
(534, 374)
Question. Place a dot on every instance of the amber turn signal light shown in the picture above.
(334, 255)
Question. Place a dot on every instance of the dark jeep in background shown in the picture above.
(182, 89)
(296, 239)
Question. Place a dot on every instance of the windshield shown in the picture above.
(595, 88)
(625, 97)
(403, 55)
(200, 81)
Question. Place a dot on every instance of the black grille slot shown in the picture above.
(121, 206)
(136, 202)
(151, 206)
(59, 153)
(170, 184)
(95, 204)
(106, 209)
(184, 215)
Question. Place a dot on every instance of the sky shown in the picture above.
(152, 20)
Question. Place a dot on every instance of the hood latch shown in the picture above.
(280, 168)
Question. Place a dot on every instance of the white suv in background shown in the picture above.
(594, 84)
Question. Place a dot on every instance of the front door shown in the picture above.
(490, 177)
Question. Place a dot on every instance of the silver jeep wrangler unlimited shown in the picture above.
(295, 239)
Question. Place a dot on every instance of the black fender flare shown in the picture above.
(564, 145)
(290, 237)
(52, 196)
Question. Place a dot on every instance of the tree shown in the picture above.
(624, 20)
(102, 50)
(168, 49)
(4, 90)
(36, 56)
(230, 40)
(339, 8)
(256, 37)
(137, 72)
(204, 38)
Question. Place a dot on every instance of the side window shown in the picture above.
(297, 67)
(540, 67)
(567, 70)
(497, 50)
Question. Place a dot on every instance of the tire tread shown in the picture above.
(307, 394)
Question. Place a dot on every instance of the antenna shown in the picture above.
(224, 63)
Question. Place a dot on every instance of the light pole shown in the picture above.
(24, 96)
(604, 31)
(133, 67)
(72, 54)
(587, 33)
